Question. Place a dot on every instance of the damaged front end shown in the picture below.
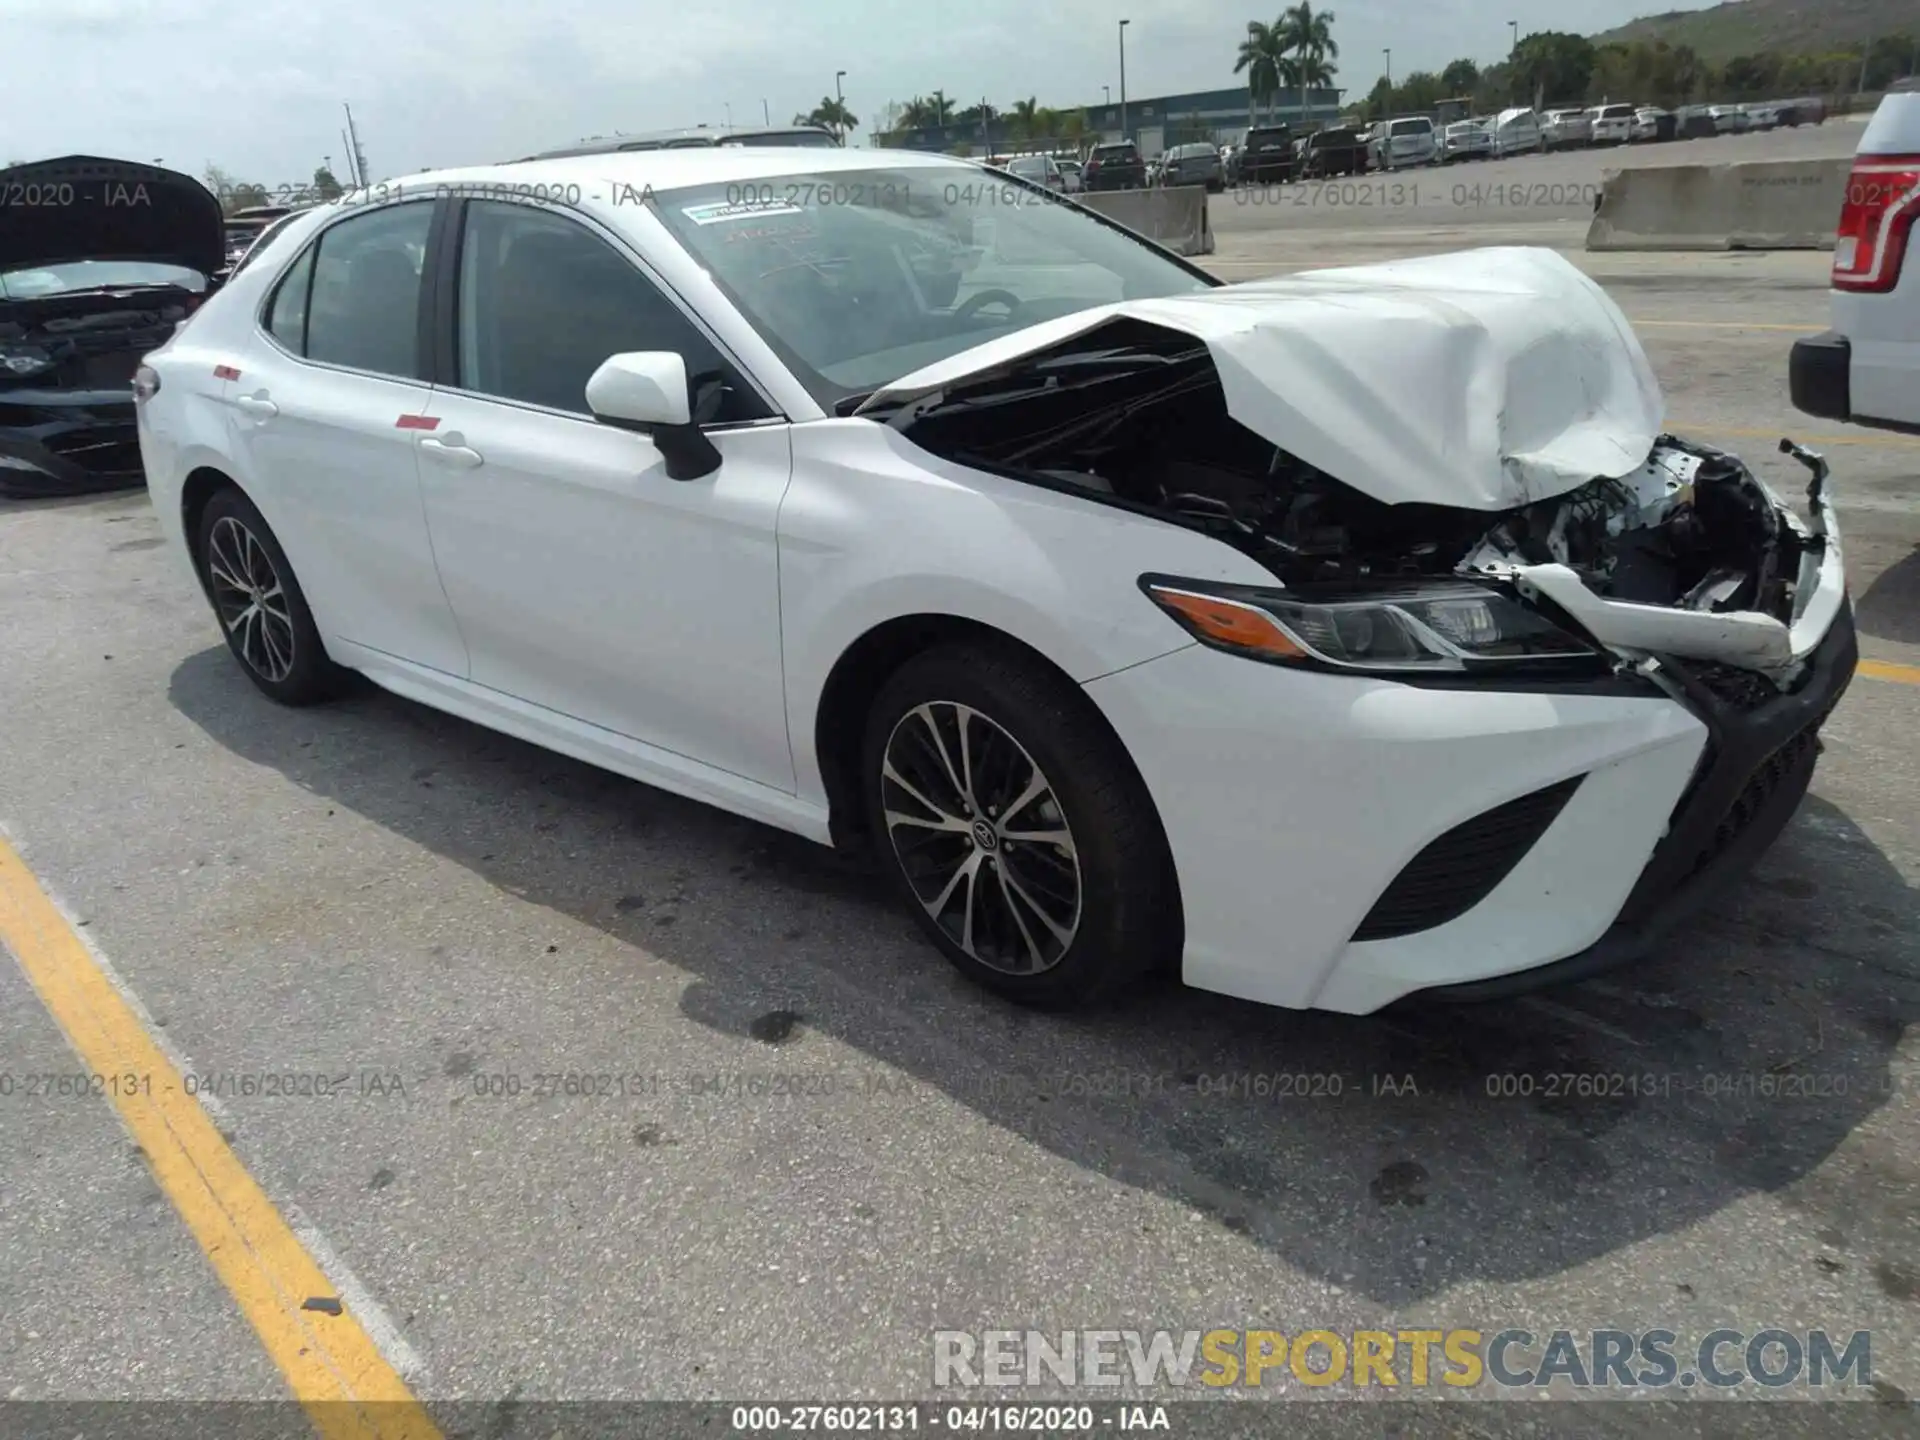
(1690, 555)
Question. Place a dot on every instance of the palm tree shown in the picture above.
(1310, 74)
(1288, 70)
(1308, 33)
(1260, 55)
(1025, 113)
(830, 114)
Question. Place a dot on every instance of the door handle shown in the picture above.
(258, 405)
(451, 450)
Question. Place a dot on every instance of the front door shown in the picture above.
(585, 579)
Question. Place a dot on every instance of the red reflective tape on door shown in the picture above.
(225, 372)
(417, 422)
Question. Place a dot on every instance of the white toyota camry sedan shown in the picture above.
(1323, 640)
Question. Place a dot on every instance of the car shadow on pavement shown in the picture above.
(1393, 1156)
(1889, 608)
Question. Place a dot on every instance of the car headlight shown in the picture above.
(1418, 626)
(24, 360)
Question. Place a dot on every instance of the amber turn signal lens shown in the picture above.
(1227, 622)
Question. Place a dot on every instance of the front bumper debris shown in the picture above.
(1756, 768)
(1746, 639)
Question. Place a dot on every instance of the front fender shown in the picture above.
(874, 529)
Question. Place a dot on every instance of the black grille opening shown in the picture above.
(1745, 690)
(1461, 868)
(1761, 786)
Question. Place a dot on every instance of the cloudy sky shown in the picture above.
(256, 87)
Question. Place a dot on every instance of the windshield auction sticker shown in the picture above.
(719, 211)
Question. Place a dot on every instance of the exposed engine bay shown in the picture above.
(1142, 422)
(87, 340)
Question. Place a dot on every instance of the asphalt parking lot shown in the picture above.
(823, 1145)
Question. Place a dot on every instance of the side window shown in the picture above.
(365, 305)
(287, 315)
(544, 301)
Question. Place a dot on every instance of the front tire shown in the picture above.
(260, 606)
(1017, 830)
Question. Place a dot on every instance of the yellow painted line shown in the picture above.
(334, 1369)
(1774, 433)
(1888, 670)
(1729, 325)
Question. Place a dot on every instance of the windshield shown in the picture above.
(1410, 127)
(40, 281)
(856, 278)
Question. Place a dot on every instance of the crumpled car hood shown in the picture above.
(1486, 379)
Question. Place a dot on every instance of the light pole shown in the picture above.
(729, 105)
(766, 113)
(1389, 55)
(1514, 26)
(1123, 79)
(840, 102)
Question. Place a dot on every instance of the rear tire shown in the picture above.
(1031, 853)
(260, 606)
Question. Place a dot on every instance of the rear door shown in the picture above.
(320, 414)
(586, 580)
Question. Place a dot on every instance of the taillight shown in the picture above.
(146, 383)
(1883, 197)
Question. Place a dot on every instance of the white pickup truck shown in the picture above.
(1866, 369)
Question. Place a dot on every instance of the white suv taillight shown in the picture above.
(1883, 199)
(146, 383)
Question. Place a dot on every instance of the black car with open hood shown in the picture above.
(100, 261)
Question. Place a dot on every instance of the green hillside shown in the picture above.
(1746, 27)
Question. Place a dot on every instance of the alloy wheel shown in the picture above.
(981, 837)
(250, 599)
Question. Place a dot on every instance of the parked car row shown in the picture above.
(1276, 154)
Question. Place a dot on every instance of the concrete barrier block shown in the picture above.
(1173, 216)
(1750, 205)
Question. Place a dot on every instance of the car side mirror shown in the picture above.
(647, 391)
